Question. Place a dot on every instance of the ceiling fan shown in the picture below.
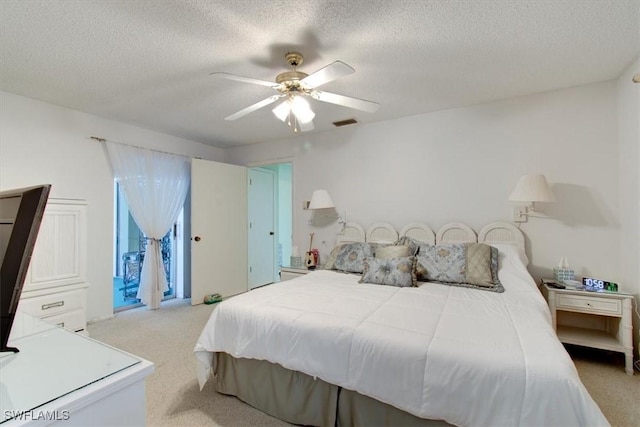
(295, 86)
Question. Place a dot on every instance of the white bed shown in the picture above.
(461, 355)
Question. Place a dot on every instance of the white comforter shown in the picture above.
(465, 356)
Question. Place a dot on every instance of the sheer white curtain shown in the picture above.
(154, 185)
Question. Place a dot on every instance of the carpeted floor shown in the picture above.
(617, 393)
(167, 337)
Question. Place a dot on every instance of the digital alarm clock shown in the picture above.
(599, 285)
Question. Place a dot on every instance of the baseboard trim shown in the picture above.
(100, 319)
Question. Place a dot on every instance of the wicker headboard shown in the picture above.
(351, 233)
(495, 233)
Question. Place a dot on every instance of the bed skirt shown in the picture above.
(300, 399)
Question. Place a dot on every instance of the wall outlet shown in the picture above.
(519, 214)
(305, 205)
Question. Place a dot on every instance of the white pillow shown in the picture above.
(386, 252)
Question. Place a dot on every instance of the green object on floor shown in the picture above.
(212, 299)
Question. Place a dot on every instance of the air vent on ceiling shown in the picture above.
(345, 122)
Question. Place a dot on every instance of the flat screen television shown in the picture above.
(21, 212)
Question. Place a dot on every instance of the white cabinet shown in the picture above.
(55, 288)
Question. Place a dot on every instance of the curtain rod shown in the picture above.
(97, 138)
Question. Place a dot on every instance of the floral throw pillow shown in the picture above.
(351, 256)
(390, 271)
(331, 259)
(441, 263)
(472, 265)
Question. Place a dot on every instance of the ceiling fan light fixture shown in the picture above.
(282, 110)
(302, 110)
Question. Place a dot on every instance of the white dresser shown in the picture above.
(65, 379)
(55, 289)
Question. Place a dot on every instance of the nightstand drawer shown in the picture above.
(586, 304)
(52, 304)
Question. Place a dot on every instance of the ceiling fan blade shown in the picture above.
(346, 101)
(306, 126)
(254, 107)
(245, 79)
(327, 74)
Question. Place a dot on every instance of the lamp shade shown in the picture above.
(282, 110)
(302, 109)
(321, 200)
(532, 188)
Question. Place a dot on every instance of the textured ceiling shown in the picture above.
(148, 62)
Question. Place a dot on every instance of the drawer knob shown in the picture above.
(589, 304)
(52, 305)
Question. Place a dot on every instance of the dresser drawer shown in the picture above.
(52, 304)
(74, 320)
(586, 304)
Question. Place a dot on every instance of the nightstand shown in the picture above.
(593, 319)
(288, 273)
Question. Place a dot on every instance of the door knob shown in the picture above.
(197, 238)
(271, 233)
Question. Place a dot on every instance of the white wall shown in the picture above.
(629, 137)
(44, 143)
(462, 164)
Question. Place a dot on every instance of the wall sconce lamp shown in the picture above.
(530, 189)
(320, 199)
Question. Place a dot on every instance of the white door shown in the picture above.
(262, 239)
(218, 229)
